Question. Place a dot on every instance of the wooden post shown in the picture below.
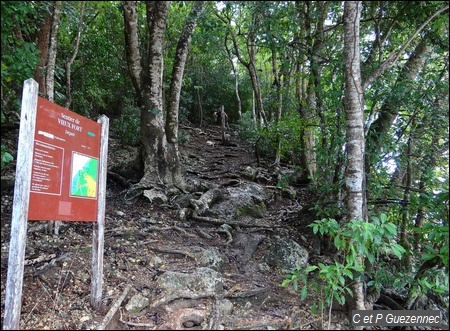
(99, 226)
(14, 279)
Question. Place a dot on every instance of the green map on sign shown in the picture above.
(84, 176)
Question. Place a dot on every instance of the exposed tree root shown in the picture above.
(209, 220)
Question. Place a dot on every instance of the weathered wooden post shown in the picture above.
(14, 278)
(99, 226)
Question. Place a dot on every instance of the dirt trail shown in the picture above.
(56, 288)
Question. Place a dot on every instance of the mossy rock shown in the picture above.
(255, 210)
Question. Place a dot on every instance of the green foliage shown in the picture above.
(435, 239)
(247, 128)
(19, 53)
(434, 281)
(327, 210)
(357, 239)
(183, 137)
(286, 131)
(99, 73)
(288, 178)
(6, 156)
(127, 126)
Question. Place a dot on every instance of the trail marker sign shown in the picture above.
(65, 165)
(60, 175)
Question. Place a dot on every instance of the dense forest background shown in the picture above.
(279, 70)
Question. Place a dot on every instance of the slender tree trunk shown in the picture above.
(389, 110)
(50, 74)
(354, 110)
(177, 73)
(200, 107)
(236, 82)
(259, 109)
(404, 236)
(74, 55)
(311, 19)
(42, 41)
(279, 106)
(300, 92)
(175, 89)
(250, 64)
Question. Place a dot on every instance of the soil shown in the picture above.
(57, 274)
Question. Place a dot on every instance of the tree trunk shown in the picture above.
(177, 74)
(159, 138)
(354, 110)
(236, 81)
(200, 107)
(311, 20)
(404, 235)
(250, 64)
(279, 106)
(160, 158)
(74, 55)
(389, 110)
(42, 41)
(50, 74)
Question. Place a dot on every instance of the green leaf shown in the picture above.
(398, 250)
(349, 291)
(348, 273)
(310, 268)
(428, 256)
(285, 282)
(340, 299)
(304, 292)
(391, 229)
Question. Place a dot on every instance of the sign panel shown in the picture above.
(65, 165)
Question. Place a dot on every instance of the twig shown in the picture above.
(147, 325)
(172, 251)
(114, 309)
(301, 327)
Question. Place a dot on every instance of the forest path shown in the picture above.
(144, 241)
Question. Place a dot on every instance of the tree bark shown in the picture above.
(311, 22)
(74, 55)
(236, 80)
(354, 110)
(389, 109)
(178, 71)
(159, 157)
(42, 41)
(279, 106)
(159, 136)
(50, 74)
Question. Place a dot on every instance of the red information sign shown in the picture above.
(65, 165)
